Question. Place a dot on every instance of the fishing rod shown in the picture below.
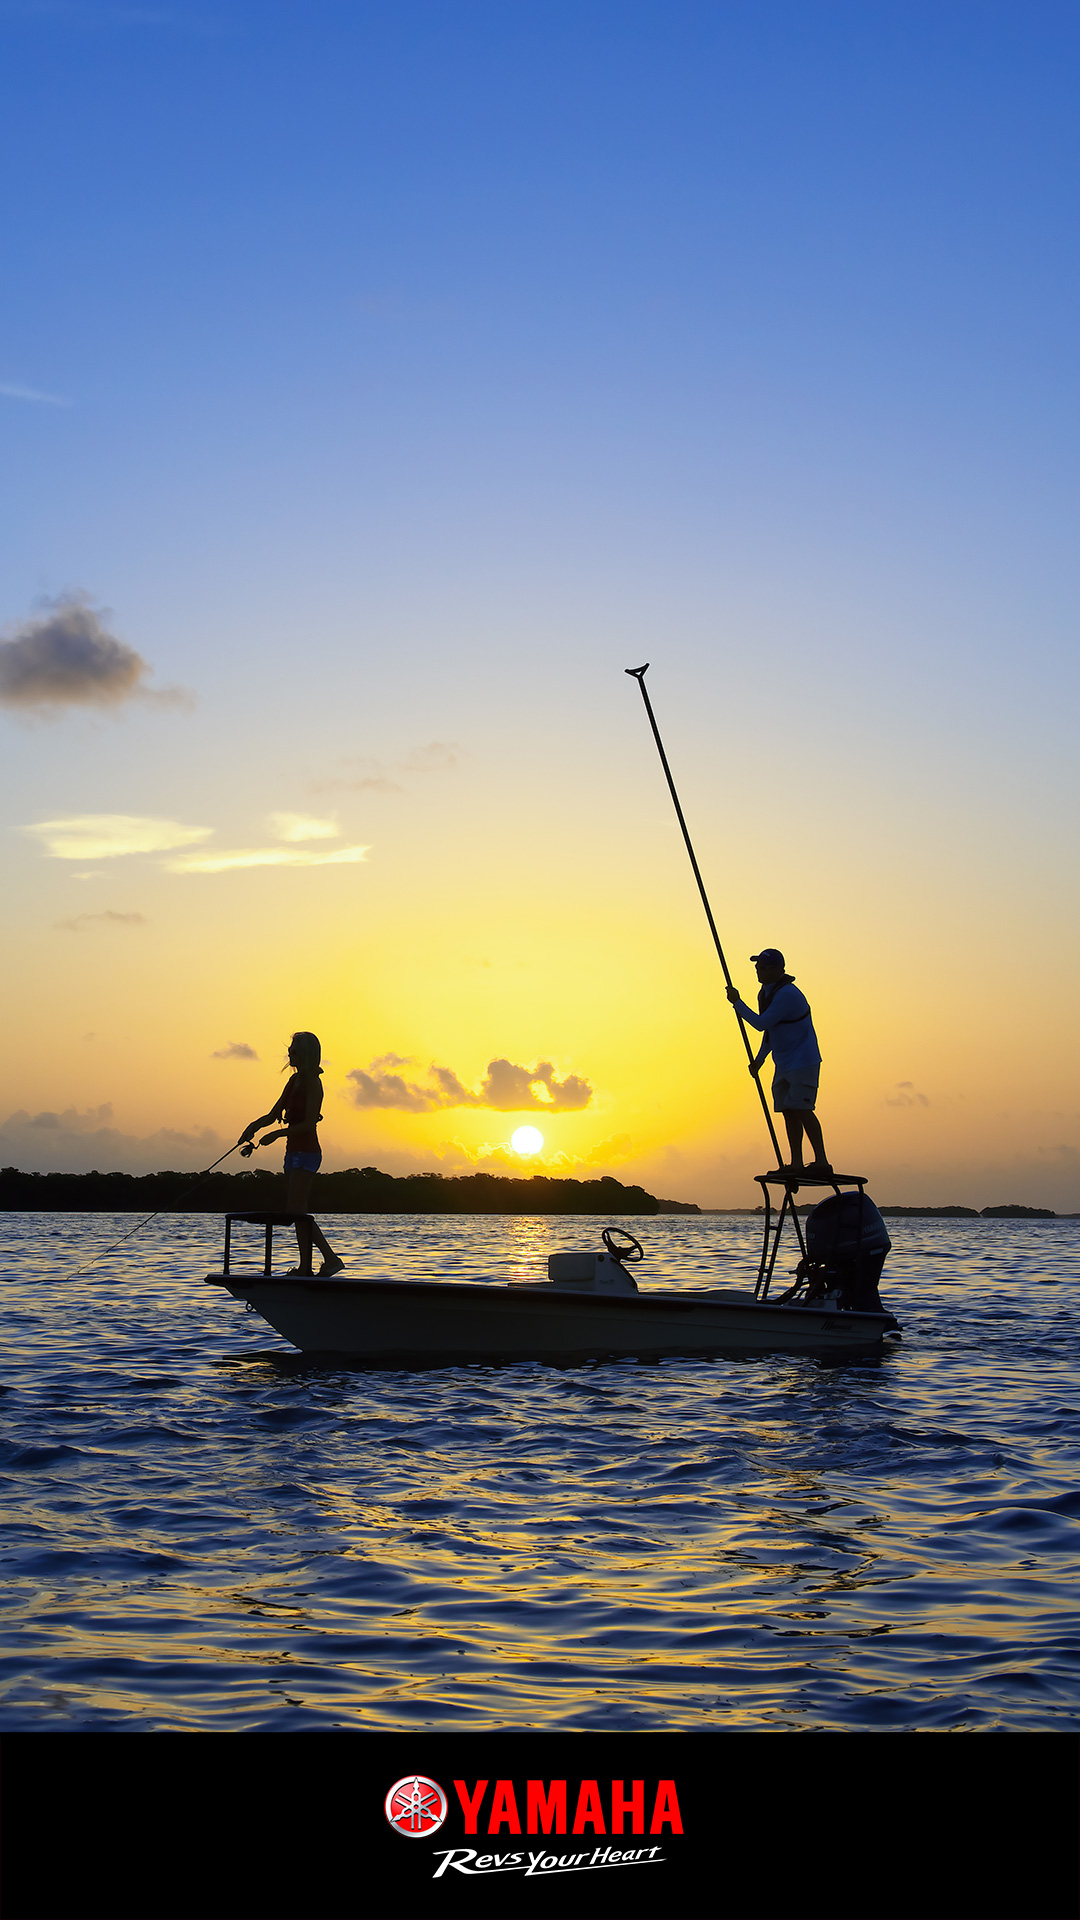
(139, 1224)
(638, 674)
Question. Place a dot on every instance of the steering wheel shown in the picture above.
(630, 1249)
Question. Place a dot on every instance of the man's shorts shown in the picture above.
(798, 1096)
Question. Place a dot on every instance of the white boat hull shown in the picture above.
(444, 1323)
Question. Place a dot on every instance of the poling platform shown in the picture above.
(791, 1179)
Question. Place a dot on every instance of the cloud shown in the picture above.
(302, 826)
(509, 1088)
(105, 836)
(611, 1152)
(463, 1156)
(439, 756)
(70, 1121)
(506, 1088)
(73, 1142)
(263, 857)
(390, 1090)
(363, 783)
(83, 920)
(12, 391)
(236, 1050)
(906, 1094)
(69, 659)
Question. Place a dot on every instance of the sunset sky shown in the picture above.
(377, 382)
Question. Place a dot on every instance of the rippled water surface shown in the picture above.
(206, 1532)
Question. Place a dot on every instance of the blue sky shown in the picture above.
(605, 272)
(406, 371)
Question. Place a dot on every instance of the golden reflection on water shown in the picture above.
(708, 1543)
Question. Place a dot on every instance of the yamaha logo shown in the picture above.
(416, 1806)
(592, 1819)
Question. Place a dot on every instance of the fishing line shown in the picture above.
(139, 1224)
(638, 674)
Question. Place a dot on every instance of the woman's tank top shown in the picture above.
(294, 1101)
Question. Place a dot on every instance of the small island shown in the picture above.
(356, 1190)
(1011, 1212)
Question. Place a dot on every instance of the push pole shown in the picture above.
(638, 674)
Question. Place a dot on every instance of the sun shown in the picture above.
(527, 1140)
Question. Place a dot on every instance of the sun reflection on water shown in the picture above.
(751, 1543)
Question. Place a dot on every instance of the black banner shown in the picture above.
(326, 1826)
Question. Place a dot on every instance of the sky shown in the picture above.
(377, 383)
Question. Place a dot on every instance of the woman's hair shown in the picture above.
(308, 1052)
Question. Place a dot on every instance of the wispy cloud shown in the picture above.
(376, 776)
(228, 862)
(11, 390)
(506, 1088)
(236, 1050)
(80, 921)
(439, 756)
(68, 658)
(106, 836)
(369, 776)
(302, 826)
(906, 1094)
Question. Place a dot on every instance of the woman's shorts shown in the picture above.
(798, 1096)
(303, 1162)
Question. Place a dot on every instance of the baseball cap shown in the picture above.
(772, 956)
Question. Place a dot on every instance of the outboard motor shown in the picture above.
(846, 1245)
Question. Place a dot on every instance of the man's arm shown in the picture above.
(752, 1019)
(756, 1020)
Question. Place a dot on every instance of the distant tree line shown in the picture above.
(367, 1190)
(1011, 1212)
(357, 1190)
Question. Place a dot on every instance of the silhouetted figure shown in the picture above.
(300, 1106)
(783, 1016)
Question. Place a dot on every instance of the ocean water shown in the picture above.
(206, 1532)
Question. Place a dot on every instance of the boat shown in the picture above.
(589, 1306)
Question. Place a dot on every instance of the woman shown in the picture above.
(300, 1107)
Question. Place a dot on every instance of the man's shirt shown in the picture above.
(788, 1030)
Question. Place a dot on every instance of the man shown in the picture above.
(784, 1017)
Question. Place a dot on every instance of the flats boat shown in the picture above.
(589, 1307)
